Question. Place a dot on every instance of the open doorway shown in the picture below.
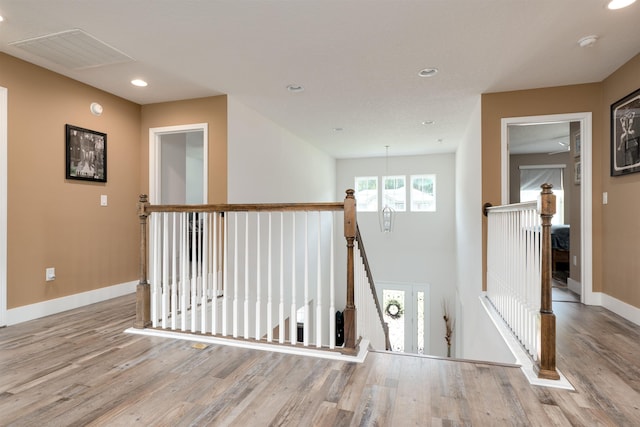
(177, 164)
(532, 145)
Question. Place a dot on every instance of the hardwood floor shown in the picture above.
(79, 369)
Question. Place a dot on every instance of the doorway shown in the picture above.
(405, 310)
(178, 164)
(584, 132)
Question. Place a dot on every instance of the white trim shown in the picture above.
(3, 204)
(154, 157)
(574, 285)
(58, 305)
(254, 345)
(586, 188)
(522, 358)
(621, 308)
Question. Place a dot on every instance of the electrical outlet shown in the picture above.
(50, 274)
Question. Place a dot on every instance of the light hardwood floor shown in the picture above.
(78, 368)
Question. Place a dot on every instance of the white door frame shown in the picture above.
(586, 188)
(3, 205)
(154, 157)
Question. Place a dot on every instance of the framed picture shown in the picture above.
(86, 154)
(577, 145)
(577, 173)
(625, 135)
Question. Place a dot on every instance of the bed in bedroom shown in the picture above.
(560, 248)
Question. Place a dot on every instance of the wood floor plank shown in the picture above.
(80, 369)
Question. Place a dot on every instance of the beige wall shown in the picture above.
(211, 110)
(535, 102)
(54, 222)
(616, 234)
(621, 216)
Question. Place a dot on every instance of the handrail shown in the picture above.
(265, 207)
(372, 287)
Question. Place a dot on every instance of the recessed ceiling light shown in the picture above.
(619, 4)
(428, 122)
(295, 88)
(428, 72)
(139, 83)
(587, 41)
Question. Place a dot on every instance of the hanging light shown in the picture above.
(387, 214)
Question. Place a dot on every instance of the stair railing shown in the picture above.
(519, 275)
(262, 272)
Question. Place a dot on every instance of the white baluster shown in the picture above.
(269, 287)
(258, 281)
(235, 276)
(214, 274)
(246, 277)
(165, 269)
(174, 271)
(332, 292)
(225, 274)
(281, 305)
(293, 318)
(319, 285)
(205, 271)
(306, 323)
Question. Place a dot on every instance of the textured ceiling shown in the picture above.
(358, 60)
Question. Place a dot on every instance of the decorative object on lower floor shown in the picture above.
(449, 324)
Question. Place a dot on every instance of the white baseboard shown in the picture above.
(574, 286)
(621, 308)
(58, 305)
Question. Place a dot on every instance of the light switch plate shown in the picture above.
(103, 200)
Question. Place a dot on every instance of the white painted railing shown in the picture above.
(514, 265)
(254, 272)
(245, 274)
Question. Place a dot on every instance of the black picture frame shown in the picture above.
(86, 154)
(625, 135)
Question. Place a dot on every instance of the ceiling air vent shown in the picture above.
(73, 49)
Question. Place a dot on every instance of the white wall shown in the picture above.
(475, 336)
(268, 164)
(421, 248)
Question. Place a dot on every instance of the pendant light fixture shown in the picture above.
(387, 214)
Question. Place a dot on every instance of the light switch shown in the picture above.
(605, 198)
(103, 200)
(50, 274)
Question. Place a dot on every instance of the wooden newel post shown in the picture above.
(143, 291)
(546, 366)
(350, 235)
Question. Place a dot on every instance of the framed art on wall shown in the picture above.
(86, 154)
(625, 135)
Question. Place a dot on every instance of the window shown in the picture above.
(423, 193)
(394, 192)
(532, 177)
(367, 193)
